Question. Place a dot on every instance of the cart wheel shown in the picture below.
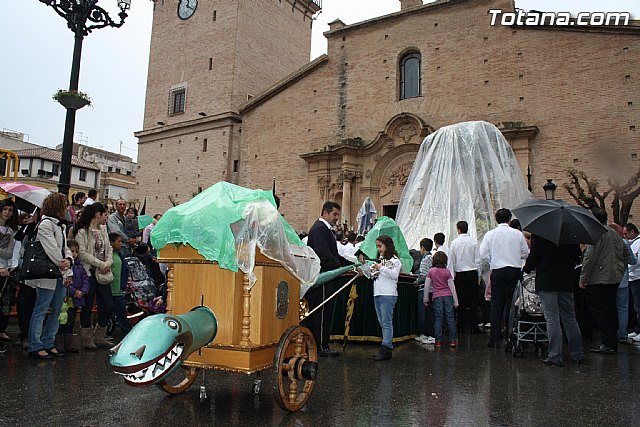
(190, 376)
(256, 386)
(296, 366)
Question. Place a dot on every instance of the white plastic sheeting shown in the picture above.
(463, 172)
(261, 227)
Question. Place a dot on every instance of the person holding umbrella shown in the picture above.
(555, 269)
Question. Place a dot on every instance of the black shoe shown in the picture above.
(492, 344)
(54, 352)
(604, 349)
(327, 352)
(37, 355)
(385, 354)
(551, 362)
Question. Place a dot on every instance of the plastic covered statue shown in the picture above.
(226, 223)
(463, 172)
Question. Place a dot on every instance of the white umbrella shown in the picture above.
(30, 193)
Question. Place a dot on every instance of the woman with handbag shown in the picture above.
(55, 274)
(7, 242)
(96, 255)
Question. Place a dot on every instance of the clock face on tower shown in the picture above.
(186, 8)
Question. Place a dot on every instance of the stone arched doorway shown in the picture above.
(355, 169)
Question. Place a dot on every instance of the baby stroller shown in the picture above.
(526, 319)
(141, 295)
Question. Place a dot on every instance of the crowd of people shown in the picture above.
(92, 260)
(99, 255)
(580, 286)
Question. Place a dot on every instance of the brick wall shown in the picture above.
(569, 84)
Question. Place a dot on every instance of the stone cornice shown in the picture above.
(339, 28)
(189, 126)
(515, 130)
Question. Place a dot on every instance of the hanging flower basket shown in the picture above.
(72, 99)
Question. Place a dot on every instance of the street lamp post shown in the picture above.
(82, 17)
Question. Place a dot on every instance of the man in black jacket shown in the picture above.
(323, 242)
(555, 275)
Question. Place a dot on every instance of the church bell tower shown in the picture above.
(207, 58)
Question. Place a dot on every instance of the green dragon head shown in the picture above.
(159, 344)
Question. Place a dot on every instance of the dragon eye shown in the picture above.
(172, 324)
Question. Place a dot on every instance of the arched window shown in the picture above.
(411, 75)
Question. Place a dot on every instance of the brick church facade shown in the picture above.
(348, 124)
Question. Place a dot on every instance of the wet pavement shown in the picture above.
(473, 385)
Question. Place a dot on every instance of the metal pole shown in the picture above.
(332, 295)
(70, 122)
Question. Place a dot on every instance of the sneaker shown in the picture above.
(438, 344)
(632, 335)
(487, 325)
(429, 340)
(421, 338)
(453, 344)
(636, 338)
(480, 325)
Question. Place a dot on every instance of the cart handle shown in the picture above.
(335, 293)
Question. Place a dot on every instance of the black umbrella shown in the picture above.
(559, 222)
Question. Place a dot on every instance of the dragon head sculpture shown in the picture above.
(159, 344)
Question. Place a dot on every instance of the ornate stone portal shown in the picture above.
(348, 172)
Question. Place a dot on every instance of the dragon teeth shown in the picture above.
(147, 374)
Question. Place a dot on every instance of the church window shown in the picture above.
(177, 101)
(411, 75)
(236, 165)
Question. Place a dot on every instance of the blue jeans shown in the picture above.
(384, 309)
(622, 300)
(42, 334)
(560, 306)
(443, 306)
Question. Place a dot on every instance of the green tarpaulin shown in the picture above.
(387, 226)
(206, 221)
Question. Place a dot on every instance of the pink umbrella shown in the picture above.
(30, 193)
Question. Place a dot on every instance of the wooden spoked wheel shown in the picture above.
(169, 384)
(295, 364)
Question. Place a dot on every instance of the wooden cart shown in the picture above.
(257, 327)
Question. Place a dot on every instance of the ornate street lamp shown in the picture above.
(82, 17)
(550, 190)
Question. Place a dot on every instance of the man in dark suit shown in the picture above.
(323, 242)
